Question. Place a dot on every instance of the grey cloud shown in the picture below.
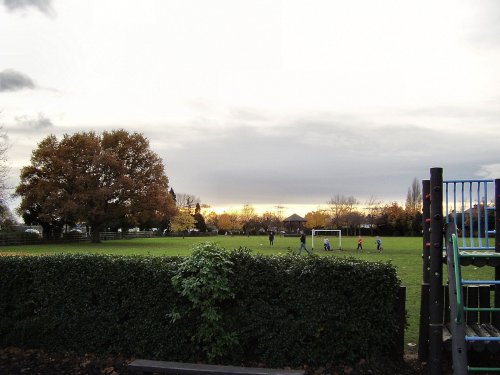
(44, 6)
(310, 159)
(248, 164)
(11, 80)
(42, 122)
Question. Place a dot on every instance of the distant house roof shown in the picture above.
(294, 219)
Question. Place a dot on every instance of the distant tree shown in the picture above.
(393, 220)
(336, 210)
(413, 208)
(356, 219)
(4, 169)
(95, 179)
(373, 206)
(186, 202)
(270, 221)
(340, 208)
(200, 220)
(248, 219)
(414, 197)
(229, 222)
(7, 219)
(172, 194)
(279, 212)
(352, 217)
(211, 220)
(319, 219)
(183, 222)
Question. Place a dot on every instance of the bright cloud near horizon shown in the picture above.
(266, 102)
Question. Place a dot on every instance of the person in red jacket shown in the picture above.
(360, 244)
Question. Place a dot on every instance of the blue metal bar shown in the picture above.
(469, 180)
(471, 218)
(479, 234)
(480, 282)
(486, 213)
(464, 241)
(479, 338)
(479, 309)
(469, 248)
(447, 198)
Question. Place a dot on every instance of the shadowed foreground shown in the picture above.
(14, 361)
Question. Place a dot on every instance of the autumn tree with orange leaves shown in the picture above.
(319, 219)
(99, 180)
(229, 222)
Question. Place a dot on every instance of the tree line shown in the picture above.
(341, 212)
(114, 181)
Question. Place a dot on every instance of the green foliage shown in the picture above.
(88, 303)
(203, 278)
(273, 310)
(316, 310)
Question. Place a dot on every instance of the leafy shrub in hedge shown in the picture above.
(203, 279)
(215, 306)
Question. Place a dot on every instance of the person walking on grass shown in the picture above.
(379, 244)
(303, 243)
(360, 244)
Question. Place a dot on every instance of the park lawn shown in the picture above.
(405, 253)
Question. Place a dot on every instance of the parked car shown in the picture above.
(33, 232)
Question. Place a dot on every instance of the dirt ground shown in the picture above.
(14, 361)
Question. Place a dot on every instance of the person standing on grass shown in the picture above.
(379, 244)
(303, 243)
(360, 244)
(271, 238)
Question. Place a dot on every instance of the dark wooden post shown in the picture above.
(423, 333)
(436, 273)
(401, 318)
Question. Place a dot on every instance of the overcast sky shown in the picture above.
(263, 101)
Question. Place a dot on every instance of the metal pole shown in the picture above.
(459, 347)
(496, 316)
(423, 333)
(436, 273)
(312, 240)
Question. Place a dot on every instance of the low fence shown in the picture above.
(103, 236)
(20, 238)
(9, 239)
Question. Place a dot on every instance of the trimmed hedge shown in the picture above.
(282, 310)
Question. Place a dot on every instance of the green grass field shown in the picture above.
(405, 253)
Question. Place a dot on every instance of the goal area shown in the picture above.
(333, 235)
